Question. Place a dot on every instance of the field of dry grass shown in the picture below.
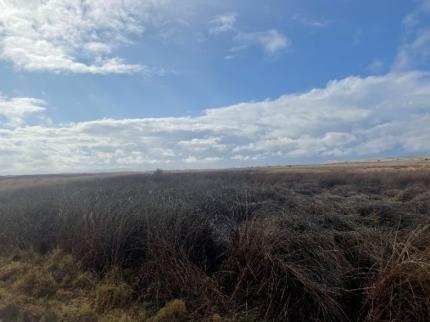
(53, 287)
(338, 242)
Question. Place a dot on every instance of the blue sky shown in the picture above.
(140, 84)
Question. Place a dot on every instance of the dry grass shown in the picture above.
(335, 243)
(35, 289)
(172, 311)
(401, 289)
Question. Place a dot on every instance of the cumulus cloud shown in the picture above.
(71, 35)
(347, 119)
(13, 111)
(202, 144)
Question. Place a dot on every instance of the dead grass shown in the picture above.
(331, 244)
(112, 295)
(172, 311)
(273, 269)
(401, 290)
(30, 292)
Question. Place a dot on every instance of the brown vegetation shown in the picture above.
(337, 244)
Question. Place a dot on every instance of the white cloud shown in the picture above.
(203, 144)
(222, 23)
(13, 111)
(71, 35)
(347, 119)
(194, 160)
(414, 52)
(272, 41)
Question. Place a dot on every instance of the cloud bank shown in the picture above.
(350, 118)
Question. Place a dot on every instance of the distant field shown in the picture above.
(17, 182)
(335, 242)
(9, 183)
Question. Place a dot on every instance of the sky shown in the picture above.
(106, 85)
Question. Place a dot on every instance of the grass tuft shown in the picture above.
(111, 296)
(171, 312)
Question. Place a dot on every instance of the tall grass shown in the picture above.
(334, 246)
